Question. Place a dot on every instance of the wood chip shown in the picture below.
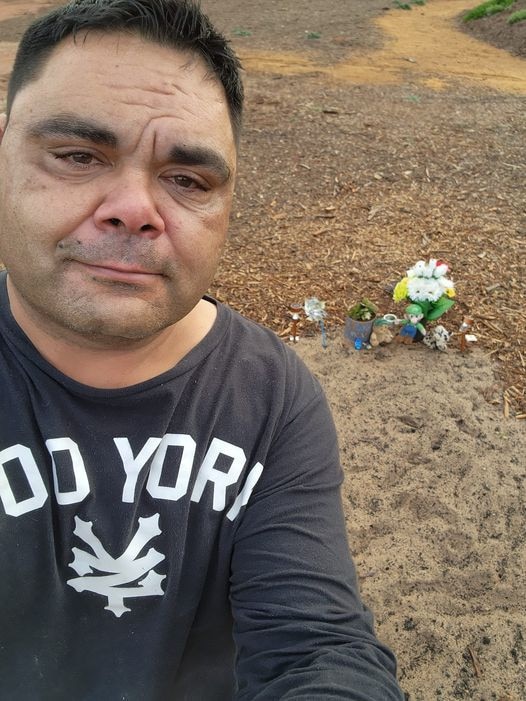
(475, 662)
(506, 407)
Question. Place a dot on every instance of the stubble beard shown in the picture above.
(113, 316)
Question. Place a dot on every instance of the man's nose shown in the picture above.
(130, 207)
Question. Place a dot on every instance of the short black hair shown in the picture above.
(179, 24)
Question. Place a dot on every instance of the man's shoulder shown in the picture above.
(249, 335)
(5, 311)
(265, 357)
(4, 303)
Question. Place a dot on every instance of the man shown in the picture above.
(170, 520)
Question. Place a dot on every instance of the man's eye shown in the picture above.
(185, 181)
(188, 182)
(80, 158)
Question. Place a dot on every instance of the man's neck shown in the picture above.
(121, 364)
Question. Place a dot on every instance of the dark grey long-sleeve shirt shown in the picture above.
(178, 539)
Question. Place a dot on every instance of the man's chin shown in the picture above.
(115, 331)
(115, 324)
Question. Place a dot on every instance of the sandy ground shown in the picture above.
(434, 495)
(434, 489)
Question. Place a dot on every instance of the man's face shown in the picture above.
(116, 177)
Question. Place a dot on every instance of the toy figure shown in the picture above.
(437, 339)
(465, 326)
(411, 324)
(294, 310)
(381, 335)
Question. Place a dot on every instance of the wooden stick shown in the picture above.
(474, 660)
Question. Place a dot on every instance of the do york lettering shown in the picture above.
(158, 450)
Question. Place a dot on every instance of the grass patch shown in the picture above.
(408, 5)
(240, 32)
(485, 9)
(518, 16)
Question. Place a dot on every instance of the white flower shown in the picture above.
(421, 289)
(418, 269)
(446, 284)
(440, 270)
(430, 268)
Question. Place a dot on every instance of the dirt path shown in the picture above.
(14, 15)
(422, 45)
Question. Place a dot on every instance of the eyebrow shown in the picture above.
(69, 125)
(90, 130)
(201, 156)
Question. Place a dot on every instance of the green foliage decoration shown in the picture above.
(363, 311)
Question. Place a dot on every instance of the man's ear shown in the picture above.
(3, 124)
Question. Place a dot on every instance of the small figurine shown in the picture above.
(294, 310)
(437, 339)
(381, 335)
(411, 324)
(465, 326)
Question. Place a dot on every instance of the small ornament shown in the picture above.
(411, 324)
(465, 337)
(437, 338)
(381, 334)
(315, 311)
(294, 310)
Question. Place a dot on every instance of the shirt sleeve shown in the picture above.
(300, 628)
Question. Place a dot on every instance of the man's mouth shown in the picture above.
(119, 272)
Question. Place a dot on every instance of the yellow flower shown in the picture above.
(450, 292)
(400, 291)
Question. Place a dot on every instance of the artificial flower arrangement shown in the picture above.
(427, 286)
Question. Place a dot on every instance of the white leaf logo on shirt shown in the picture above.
(129, 568)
